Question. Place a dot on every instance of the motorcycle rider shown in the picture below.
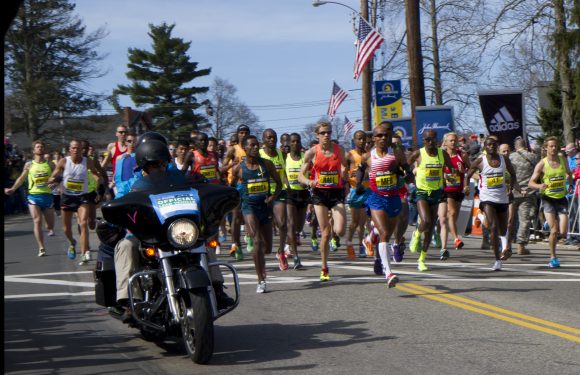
(152, 158)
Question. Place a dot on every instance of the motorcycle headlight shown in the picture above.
(182, 233)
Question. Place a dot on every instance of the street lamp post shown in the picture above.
(366, 84)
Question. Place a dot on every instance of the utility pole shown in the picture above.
(367, 77)
(416, 77)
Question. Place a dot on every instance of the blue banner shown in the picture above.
(438, 118)
(402, 127)
(387, 92)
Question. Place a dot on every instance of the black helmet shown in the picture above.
(152, 150)
(108, 233)
(150, 136)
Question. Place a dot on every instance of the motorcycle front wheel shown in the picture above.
(197, 325)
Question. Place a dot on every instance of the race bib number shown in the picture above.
(433, 172)
(556, 184)
(494, 182)
(257, 187)
(175, 203)
(386, 181)
(41, 180)
(293, 176)
(75, 186)
(328, 178)
(208, 172)
(452, 180)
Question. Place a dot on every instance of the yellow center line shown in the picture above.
(405, 287)
(495, 308)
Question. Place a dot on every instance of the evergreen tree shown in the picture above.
(48, 56)
(550, 118)
(158, 78)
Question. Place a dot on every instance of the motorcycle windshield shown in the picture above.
(144, 212)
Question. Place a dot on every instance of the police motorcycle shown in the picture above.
(172, 294)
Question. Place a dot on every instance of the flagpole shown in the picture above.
(366, 84)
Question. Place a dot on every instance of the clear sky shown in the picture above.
(276, 52)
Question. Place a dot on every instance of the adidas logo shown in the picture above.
(503, 121)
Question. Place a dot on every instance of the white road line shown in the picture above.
(40, 295)
(48, 282)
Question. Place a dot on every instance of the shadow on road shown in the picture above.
(271, 342)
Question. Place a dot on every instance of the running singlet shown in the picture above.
(239, 156)
(207, 166)
(327, 168)
(75, 177)
(353, 168)
(492, 187)
(116, 153)
(430, 171)
(278, 162)
(38, 176)
(255, 186)
(292, 170)
(555, 178)
(454, 181)
(383, 180)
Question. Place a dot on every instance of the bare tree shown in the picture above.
(228, 111)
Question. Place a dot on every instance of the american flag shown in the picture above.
(337, 97)
(368, 40)
(347, 126)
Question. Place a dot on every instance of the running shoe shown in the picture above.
(222, 237)
(249, 244)
(496, 265)
(378, 267)
(282, 262)
(436, 240)
(314, 245)
(458, 244)
(71, 253)
(368, 244)
(421, 266)
(88, 255)
(392, 280)
(443, 254)
(350, 252)
(397, 253)
(246, 238)
(554, 263)
(233, 250)
(362, 251)
(261, 288)
(415, 241)
(333, 246)
(84, 260)
(50, 233)
(239, 254)
(287, 251)
(506, 254)
(337, 240)
(324, 275)
(41, 252)
(297, 263)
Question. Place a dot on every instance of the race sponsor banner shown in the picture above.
(403, 127)
(388, 101)
(503, 114)
(437, 117)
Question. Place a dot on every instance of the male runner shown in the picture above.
(384, 163)
(493, 194)
(552, 172)
(116, 148)
(40, 200)
(254, 174)
(328, 162)
(356, 201)
(430, 162)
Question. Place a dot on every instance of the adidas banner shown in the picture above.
(503, 113)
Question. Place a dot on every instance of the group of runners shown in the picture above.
(280, 187)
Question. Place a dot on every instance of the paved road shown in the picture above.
(458, 318)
